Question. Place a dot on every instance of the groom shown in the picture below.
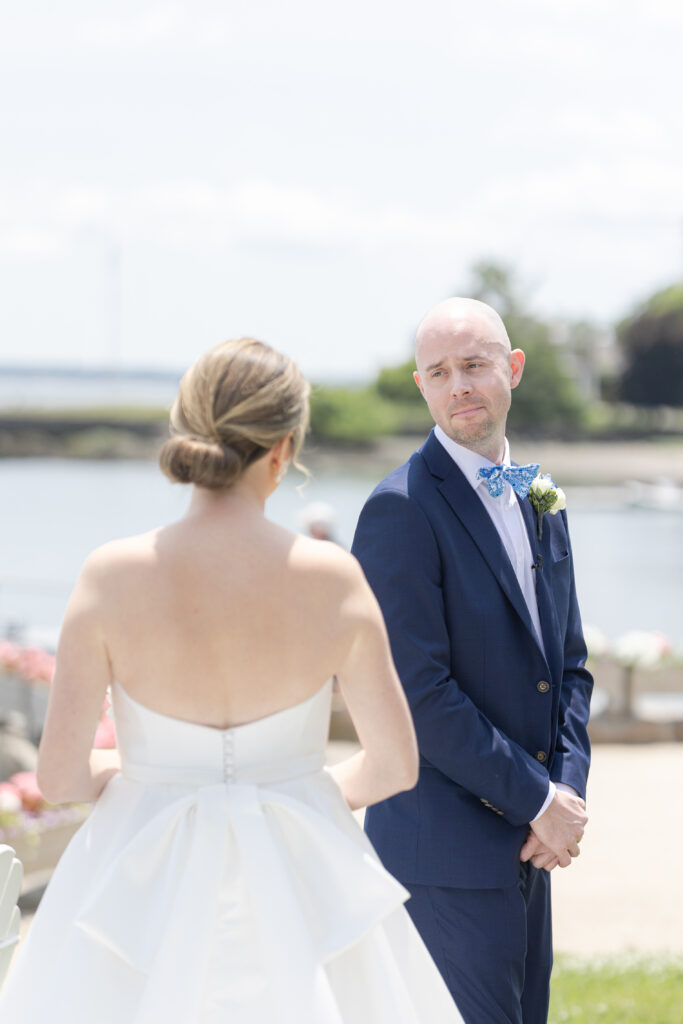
(486, 636)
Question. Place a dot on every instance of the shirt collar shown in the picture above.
(467, 461)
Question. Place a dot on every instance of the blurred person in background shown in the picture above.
(318, 520)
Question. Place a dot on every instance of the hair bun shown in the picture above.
(238, 400)
(194, 460)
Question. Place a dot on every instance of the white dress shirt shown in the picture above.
(508, 519)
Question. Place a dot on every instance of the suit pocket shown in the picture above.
(559, 543)
(560, 556)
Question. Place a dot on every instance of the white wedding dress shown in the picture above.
(222, 878)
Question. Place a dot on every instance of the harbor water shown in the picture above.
(629, 561)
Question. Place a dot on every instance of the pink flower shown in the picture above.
(36, 664)
(31, 663)
(27, 787)
(664, 643)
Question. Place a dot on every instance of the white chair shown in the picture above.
(11, 874)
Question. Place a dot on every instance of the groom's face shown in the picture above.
(466, 371)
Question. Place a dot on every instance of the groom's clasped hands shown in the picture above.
(555, 836)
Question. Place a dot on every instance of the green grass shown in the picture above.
(627, 990)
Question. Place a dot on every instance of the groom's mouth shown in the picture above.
(467, 411)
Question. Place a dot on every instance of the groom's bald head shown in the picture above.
(466, 370)
(447, 316)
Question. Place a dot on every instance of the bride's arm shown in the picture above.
(388, 761)
(68, 767)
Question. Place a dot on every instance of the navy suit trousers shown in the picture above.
(492, 946)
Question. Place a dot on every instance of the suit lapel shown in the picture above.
(469, 509)
(531, 526)
(541, 553)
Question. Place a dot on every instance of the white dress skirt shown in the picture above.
(222, 878)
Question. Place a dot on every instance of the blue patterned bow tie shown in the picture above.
(519, 478)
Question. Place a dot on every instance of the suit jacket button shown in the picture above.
(542, 687)
(541, 756)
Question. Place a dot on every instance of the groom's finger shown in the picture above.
(564, 859)
(531, 846)
(543, 860)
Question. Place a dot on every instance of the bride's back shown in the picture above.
(223, 617)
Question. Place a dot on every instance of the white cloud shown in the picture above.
(225, 151)
(592, 130)
(602, 196)
(614, 12)
(26, 244)
(156, 25)
(72, 28)
(79, 205)
(203, 213)
(643, 189)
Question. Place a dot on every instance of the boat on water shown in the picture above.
(662, 495)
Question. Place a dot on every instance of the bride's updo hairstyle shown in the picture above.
(237, 401)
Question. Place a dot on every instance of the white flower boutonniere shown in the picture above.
(546, 496)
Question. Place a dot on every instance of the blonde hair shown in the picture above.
(238, 400)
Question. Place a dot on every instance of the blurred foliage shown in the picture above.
(547, 400)
(669, 300)
(652, 344)
(398, 384)
(351, 416)
(496, 284)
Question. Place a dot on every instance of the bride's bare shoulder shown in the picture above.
(121, 553)
(325, 558)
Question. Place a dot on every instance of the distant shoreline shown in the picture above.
(587, 463)
(97, 433)
(138, 434)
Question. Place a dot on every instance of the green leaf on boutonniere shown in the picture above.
(545, 496)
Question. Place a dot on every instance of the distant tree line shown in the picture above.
(553, 399)
(651, 341)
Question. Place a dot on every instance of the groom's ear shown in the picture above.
(416, 378)
(517, 360)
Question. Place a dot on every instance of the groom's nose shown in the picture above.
(460, 385)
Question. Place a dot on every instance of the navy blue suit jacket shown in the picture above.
(495, 717)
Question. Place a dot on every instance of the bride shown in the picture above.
(221, 875)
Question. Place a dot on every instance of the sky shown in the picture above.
(319, 175)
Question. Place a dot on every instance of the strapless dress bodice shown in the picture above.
(157, 748)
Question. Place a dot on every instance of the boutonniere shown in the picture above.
(545, 496)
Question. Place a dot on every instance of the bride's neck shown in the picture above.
(244, 497)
